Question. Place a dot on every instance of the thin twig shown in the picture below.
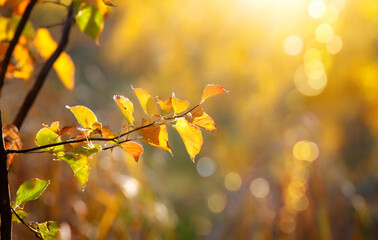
(183, 114)
(116, 145)
(113, 139)
(33, 93)
(37, 234)
(13, 43)
(54, 24)
(59, 3)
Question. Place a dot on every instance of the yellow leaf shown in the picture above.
(84, 116)
(24, 67)
(63, 66)
(212, 90)
(191, 136)
(126, 107)
(156, 136)
(21, 65)
(147, 102)
(179, 105)
(133, 148)
(202, 120)
(166, 105)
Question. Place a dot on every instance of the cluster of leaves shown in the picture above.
(74, 144)
(89, 16)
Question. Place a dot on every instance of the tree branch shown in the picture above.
(13, 43)
(33, 93)
(5, 211)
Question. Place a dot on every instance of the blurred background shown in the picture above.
(295, 154)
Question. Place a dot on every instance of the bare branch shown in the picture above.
(33, 93)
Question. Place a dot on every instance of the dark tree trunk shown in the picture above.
(5, 210)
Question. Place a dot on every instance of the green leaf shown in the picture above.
(47, 136)
(48, 230)
(79, 165)
(88, 150)
(31, 190)
(90, 21)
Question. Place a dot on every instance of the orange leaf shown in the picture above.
(166, 105)
(212, 90)
(156, 136)
(66, 130)
(2, 2)
(202, 120)
(106, 132)
(179, 105)
(126, 107)
(146, 101)
(12, 140)
(191, 136)
(63, 66)
(132, 148)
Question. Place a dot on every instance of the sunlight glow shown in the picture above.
(323, 33)
(205, 167)
(317, 8)
(334, 45)
(293, 45)
(306, 151)
(217, 202)
(259, 188)
(203, 226)
(232, 181)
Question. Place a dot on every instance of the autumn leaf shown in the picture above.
(30, 190)
(12, 140)
(202, 120)
(106, 132)
(146, 101)
(126, 107)
(46, 136)
(156, 136)
(63, 66)
(179, 105)
(191, 136)
(79, 165)
(90, 21)
(48, 230)
(23, 66)
(132, 148)
(165, 105)
(212, 90)
(66, 130)
(84, 116)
